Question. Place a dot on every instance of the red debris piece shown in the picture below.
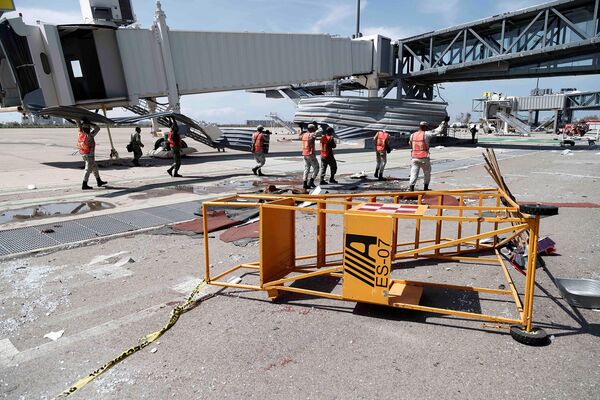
(217, 221)
(248, 231)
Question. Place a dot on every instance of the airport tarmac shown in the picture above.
(240, 345)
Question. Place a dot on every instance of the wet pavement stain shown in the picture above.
(52, 210)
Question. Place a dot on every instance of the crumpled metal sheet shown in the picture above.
(370, 113)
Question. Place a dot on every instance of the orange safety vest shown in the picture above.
(257, 138)
(308, 146)
(82, 143)
(382, 137)
(419, 148)
(172, 141)
(324, 146)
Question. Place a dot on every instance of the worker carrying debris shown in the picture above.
(310, 159)
(382, 148)
(327, 156)
(175, 143)
(87, 148)
(419, 144)
(136, 146)
(258, 149)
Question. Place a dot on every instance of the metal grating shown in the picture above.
(4, 251)
(67, 231)
(139, 219)
(25, 239)
(189, 207)
(105, 225)
(169, 213)
(33, 238)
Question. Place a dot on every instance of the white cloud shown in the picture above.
(32, 14)
(392, 32)
(335, 14)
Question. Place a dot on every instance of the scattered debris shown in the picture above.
(567, 152)
(359, 175)
(217, 221)
(153, 350)
(31, 187)
(234, 280)
(245, 231)
(440, 147)
(107, 259)
(54, 336)
(546, 246)
(123, 261)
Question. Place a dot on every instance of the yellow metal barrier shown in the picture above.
(371, 247)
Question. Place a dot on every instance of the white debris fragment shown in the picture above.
(153, 350)
(440, 147)
(31, 187)
(235, 280)
(566, 152)
(123, 261)
(104, 259)
(54, 336)
(359, 175)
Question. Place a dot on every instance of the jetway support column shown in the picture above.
(160, 24)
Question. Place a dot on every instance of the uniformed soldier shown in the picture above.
(258, 150)
(382, 148)
(310, 159)
(327, 156)
(136, 146)
(175, 143)
(87, 148)
(419, 144)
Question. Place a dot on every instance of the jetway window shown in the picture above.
(76, 68)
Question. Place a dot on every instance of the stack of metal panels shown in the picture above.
(370, 113)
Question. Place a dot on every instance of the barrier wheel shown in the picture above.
(538, 209)
(537, 336)
(158, 143)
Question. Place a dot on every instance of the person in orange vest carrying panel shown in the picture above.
(327, 156)
(419, 144)
(258, 149)
(87, 148)
(382, 148)
(310, 159)
(175, 143)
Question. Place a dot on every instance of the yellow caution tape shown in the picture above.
(144, 341)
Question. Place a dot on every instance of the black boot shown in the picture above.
(412, 188)
(176, 175)
(305, 185)
(426, 186)
(85, 186)
(311, 183)
(100, 182)
(380, 177)
(376, 172)
(260, 172)
(323, 182)
(170, 171)
(332, 180)
(254, 170)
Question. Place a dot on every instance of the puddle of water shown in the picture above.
(52, 210)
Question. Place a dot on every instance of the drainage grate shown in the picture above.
(25, 239)
(105, 225)
(33, 238)
(189, 207)
(169, 213)
(139, 219)
(4, 251)
(67, 231)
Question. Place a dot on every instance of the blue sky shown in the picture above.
(393, 18)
